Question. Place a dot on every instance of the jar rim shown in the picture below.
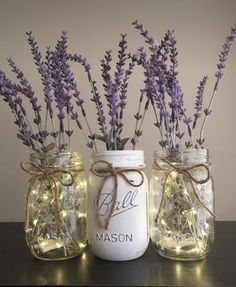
(54, 154)
(202, 151)
(186, 156)
(117, 152)
(120, 158)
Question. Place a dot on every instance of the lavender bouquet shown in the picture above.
(165, 94)
(115, 92)
(181, 189)
(62, 98)
(52, 131)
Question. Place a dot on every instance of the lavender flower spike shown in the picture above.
(219, 74)
(43, 71)
(199, 101)
(95, 95)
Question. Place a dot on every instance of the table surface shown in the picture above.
(18, 266)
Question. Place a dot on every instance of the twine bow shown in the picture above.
(106, 173)
(53, 174)
(184, 171)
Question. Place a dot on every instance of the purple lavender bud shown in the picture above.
(200, 141)
(207, 112)
(69, 133)
(157, 124)
(163, 143)
(35, 136)
(138, 133)
(79, 59)
(179, 135)
(92, 137)
(188, 144)
(137, 116)
(187, 120)
(54, 134)
(90, 145)
(133, 141)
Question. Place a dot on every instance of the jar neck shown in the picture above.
(188, 156)
(62, 160)
(120, 158)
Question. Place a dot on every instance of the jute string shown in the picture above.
(114, 172)
(51, 174)
(169, 168)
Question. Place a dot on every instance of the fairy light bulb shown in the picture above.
(173, 174)
(177, 249)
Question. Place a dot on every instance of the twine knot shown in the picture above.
(52, 173)
(170, 168)
(110, 171)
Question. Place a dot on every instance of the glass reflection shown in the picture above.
(57, 273)
(185, 273)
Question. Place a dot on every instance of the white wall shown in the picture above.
(93, 27)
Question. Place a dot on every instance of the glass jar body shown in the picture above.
(55, 223)
(126, 235)
(181, 205)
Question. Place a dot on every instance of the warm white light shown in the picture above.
(206, 225)
(185, 191)
(64, 213)
(84, 256)
(198, 270)
(178, 270)
(82, 245)
(35, 221)
(177, 248)
(153, 210)
(45, 196)
(163, 222)
(194, 211)
(174, 174)
(81, 214)
(58, 245)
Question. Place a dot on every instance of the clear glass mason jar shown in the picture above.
(55, 219)
(117, 220)
(181, 214)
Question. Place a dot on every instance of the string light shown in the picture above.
(177, 248)
(174, 174)
(180, 217)
(82, 245)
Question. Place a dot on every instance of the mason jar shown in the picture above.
(55, 212)
(117, 221)
(182, 204)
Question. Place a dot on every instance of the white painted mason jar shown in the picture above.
(117, 220)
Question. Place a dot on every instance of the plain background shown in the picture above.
(93, 27)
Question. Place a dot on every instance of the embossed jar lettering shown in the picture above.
(106, 201)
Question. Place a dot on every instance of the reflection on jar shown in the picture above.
(197, 273)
